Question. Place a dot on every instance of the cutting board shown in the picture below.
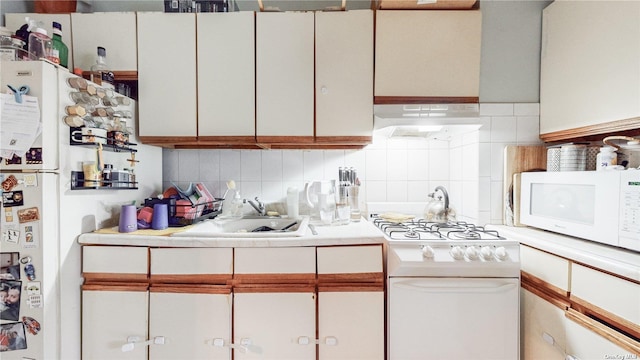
(517, 159)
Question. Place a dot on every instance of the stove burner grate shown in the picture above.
(421, 229)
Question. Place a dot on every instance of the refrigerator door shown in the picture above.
(30, 264)
(41, 78)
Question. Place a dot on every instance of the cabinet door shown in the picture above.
(585, 344)
(284, 77)
(626, 302)
(344, 75)
(541, 320)
(589, 71)
(167, 100)
(189, 320)
(351, 325)
(191, 265)
(115, 31)
(552, 269)
(226, 75)
(110, 316)
(428, 53)
(275, 325)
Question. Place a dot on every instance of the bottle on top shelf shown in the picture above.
(100, 73)
(60, 51)
(40, 44)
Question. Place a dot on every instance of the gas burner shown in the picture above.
(466, 234)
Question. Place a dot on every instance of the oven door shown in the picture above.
(454, 318)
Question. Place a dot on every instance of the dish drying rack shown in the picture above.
(183, 214)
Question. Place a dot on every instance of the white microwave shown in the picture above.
(602, 206)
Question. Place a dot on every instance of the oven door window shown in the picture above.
(454, 318)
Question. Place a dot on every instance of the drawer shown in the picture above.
(191, 265)
(275, 260)
(617, 296)
(349, 259)
(549, 268)
(115, 263)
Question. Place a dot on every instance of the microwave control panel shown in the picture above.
(630, 209)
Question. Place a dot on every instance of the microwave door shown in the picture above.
(580, 204)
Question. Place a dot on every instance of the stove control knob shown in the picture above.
(501, 253)
(457, 253)
(427, 252)
(471, 253)
(486, 252)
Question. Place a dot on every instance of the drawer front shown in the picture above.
(618, 296)
(191, 261)
(115, 260)
(350, 259)
(300, 260)
(547, 267)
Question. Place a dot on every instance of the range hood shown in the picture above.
(435, 121)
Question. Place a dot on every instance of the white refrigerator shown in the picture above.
(45, 208)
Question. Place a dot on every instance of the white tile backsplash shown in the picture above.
(470, 166)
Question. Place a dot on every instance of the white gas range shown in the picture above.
(453, 288)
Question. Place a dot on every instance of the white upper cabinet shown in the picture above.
(344, 73)
(284, 75)
(428, 54)
(226, 76)
(590, 64)
(167, 85)
(114, 31)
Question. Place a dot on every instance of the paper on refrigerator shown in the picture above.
(20, 124)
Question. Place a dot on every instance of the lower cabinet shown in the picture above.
(189, 323)
(246, 303)
(274, 325)
(110, 316)
(350, 324)
(568, 311)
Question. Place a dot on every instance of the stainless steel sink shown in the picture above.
(248, 227)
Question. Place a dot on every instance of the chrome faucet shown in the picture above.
(258, 205)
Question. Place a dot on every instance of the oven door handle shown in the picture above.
(492, 287)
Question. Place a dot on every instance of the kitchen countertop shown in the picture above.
(625, 263)
(354, 233)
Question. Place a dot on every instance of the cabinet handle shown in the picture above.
(132, 341)
(245, 346)
(329, 340)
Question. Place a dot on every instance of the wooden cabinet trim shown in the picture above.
(157, 140)
(399, 100)
(545, 291)
(594, 311)
(191, 289)
(274, 288)
(375, 277)
(616, 337)
(342, 287)
(283, 140)
(190, 279)
(628, 127)
(243, 279)
(115, 277)
(115, 287)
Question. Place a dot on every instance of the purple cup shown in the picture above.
(160, 218)
(128, 219)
